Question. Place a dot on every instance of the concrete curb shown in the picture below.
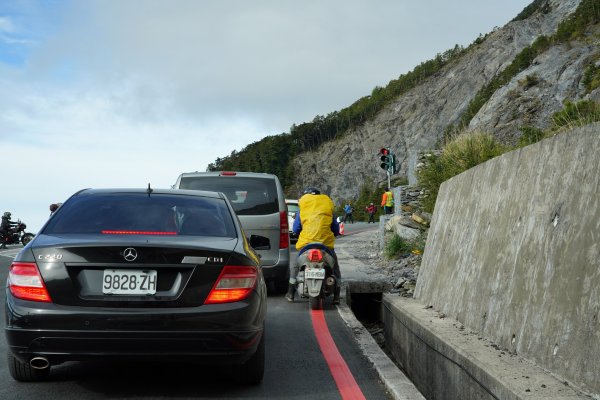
(448, 361)
(397, 384)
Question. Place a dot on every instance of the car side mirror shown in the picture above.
(260, 242)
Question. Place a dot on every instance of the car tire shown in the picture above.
(253, 370)
(23, 372)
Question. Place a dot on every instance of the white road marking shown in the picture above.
(10, 251)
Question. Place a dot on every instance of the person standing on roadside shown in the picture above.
(371, 210)
(387, 201)
(348, 213)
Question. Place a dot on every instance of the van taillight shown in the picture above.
(284, 233)
(25, 282)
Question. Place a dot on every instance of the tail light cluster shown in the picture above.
(234, 284)
(284, 233)
(25, 282)
(315, 255)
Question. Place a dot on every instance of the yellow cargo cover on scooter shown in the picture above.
(316, 216)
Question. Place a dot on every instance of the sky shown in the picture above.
(122, 93)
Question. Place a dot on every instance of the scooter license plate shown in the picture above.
(314, 273)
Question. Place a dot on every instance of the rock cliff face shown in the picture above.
(417, 120)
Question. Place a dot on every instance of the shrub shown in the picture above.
(576, 114)
(591, 77)
(398, 246)
(529, 81)
(530, 135)
(460, 154)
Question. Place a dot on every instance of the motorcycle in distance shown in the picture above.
(315, 278)
(17, 235)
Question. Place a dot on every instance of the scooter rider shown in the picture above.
(6, 228)
(315, 223)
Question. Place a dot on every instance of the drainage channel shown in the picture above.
(368, 310)
(364, 313)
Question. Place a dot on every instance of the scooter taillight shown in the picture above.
(315, 255)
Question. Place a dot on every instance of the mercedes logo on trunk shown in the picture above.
(130, 254)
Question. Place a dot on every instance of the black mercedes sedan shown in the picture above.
(138, 274)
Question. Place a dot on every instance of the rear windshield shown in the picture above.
(249, 196)
(143, 214)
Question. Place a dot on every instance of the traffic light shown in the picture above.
(388, 160)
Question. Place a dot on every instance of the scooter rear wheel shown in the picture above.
(316, 303)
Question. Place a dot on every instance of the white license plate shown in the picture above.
(123, 281)
(311, 273)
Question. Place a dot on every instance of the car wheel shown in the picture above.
(23, 372)
(253, 370)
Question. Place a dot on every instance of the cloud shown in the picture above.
(110, 93)
(6, 25)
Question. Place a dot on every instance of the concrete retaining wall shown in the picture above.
(513, 253)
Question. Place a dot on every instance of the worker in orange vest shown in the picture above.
(387, 201)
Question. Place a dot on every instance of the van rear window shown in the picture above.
(248, 196)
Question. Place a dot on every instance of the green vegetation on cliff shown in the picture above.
(274, 153)
(463, 152)
(469, 149)
(572, 28)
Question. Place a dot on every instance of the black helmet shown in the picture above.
(7, 215)
(311, 190)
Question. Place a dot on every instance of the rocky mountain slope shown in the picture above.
(417, 120)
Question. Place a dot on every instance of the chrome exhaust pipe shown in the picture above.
(39, 363)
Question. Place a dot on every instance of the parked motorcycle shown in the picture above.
(315, 278)
(17, 235)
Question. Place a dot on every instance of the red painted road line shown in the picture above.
(342, 376)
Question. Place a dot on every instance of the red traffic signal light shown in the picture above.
(388, 160)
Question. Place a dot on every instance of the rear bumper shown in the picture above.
(203, 347)
(219, 333)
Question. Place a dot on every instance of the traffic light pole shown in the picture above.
(389, 180)
(388, 162)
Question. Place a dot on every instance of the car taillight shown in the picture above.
(284, 234)
(25, 282)
(234, 284)
(228, 173)
(315, 255)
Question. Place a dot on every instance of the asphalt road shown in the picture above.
(295, 366)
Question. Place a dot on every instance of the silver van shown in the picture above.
(259, 203)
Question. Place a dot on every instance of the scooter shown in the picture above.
(315, 278)
(17, 234)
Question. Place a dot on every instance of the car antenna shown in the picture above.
(149, 190)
